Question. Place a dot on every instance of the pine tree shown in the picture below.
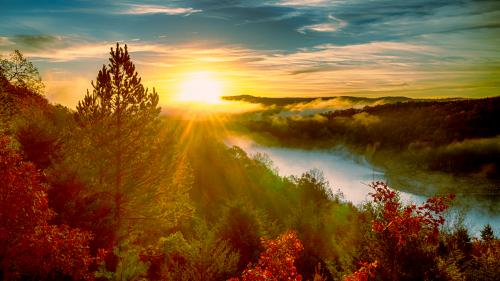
(487, 233)
(120, 121)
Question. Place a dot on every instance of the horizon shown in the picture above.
(298, 48)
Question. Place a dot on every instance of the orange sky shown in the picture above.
(275, 48)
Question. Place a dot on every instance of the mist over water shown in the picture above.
(351, 176)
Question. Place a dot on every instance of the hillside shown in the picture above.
(457, 138)
(150, 197)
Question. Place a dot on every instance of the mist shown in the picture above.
(295, 107)
(350, 175)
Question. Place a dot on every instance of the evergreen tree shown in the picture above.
(120, 123)
(487, 233)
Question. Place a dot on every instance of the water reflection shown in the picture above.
(350, 176)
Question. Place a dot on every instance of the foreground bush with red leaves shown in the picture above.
(30, 246)
(277, 261)
(403, 233)
(400, 223)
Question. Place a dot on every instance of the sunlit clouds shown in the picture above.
(372, 69)
(333, 25)
(267, 48)
(136, 9)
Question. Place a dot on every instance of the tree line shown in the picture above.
(455, 141)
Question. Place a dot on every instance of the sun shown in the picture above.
(201, 87)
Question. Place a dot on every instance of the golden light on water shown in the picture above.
(201, 87)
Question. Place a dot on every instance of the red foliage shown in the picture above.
(23, 201)
(276, 263)
(156, 260)
(54, 249)
(366, 271)
(398, 224)
(28, 244)
(403, 223)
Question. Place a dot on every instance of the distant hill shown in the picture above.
(284, 101)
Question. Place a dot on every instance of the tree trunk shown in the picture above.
(118, 180)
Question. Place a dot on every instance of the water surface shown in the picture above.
(351, 176)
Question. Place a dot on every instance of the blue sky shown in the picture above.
(424, 48)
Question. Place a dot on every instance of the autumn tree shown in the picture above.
(29, 245)
(20, 72)
(277, 261)
(364, 273)
(404, 233)
(119, 149)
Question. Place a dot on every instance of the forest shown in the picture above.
(114, 190)
(453, 139)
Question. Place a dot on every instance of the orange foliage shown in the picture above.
(366, 271)
(276, 263)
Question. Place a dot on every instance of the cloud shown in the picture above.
(322, 27)
(136, 9)
(5, 41)
(329, 57)
(336, 103)
(313, 3)
(55, 48)
(59, 48)
(35, 41)
(381, 68)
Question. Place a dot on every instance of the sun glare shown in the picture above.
(201, 87)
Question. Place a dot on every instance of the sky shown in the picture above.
(415, 48)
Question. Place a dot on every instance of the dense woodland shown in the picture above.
(115, 191)
(456, 141)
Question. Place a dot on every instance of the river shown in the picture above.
(351, 176)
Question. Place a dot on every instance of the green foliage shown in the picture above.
(240, 225)
(450, 144)
(38, 136)
(485, 263)
(487, 233)
(120, 154)
(205, 256)
(314, 187)
(20, 72)
(129, 266)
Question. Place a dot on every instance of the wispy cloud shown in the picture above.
(322, 27)
(5, 41)
(139, 9)
(306, 2)
(376, 68)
